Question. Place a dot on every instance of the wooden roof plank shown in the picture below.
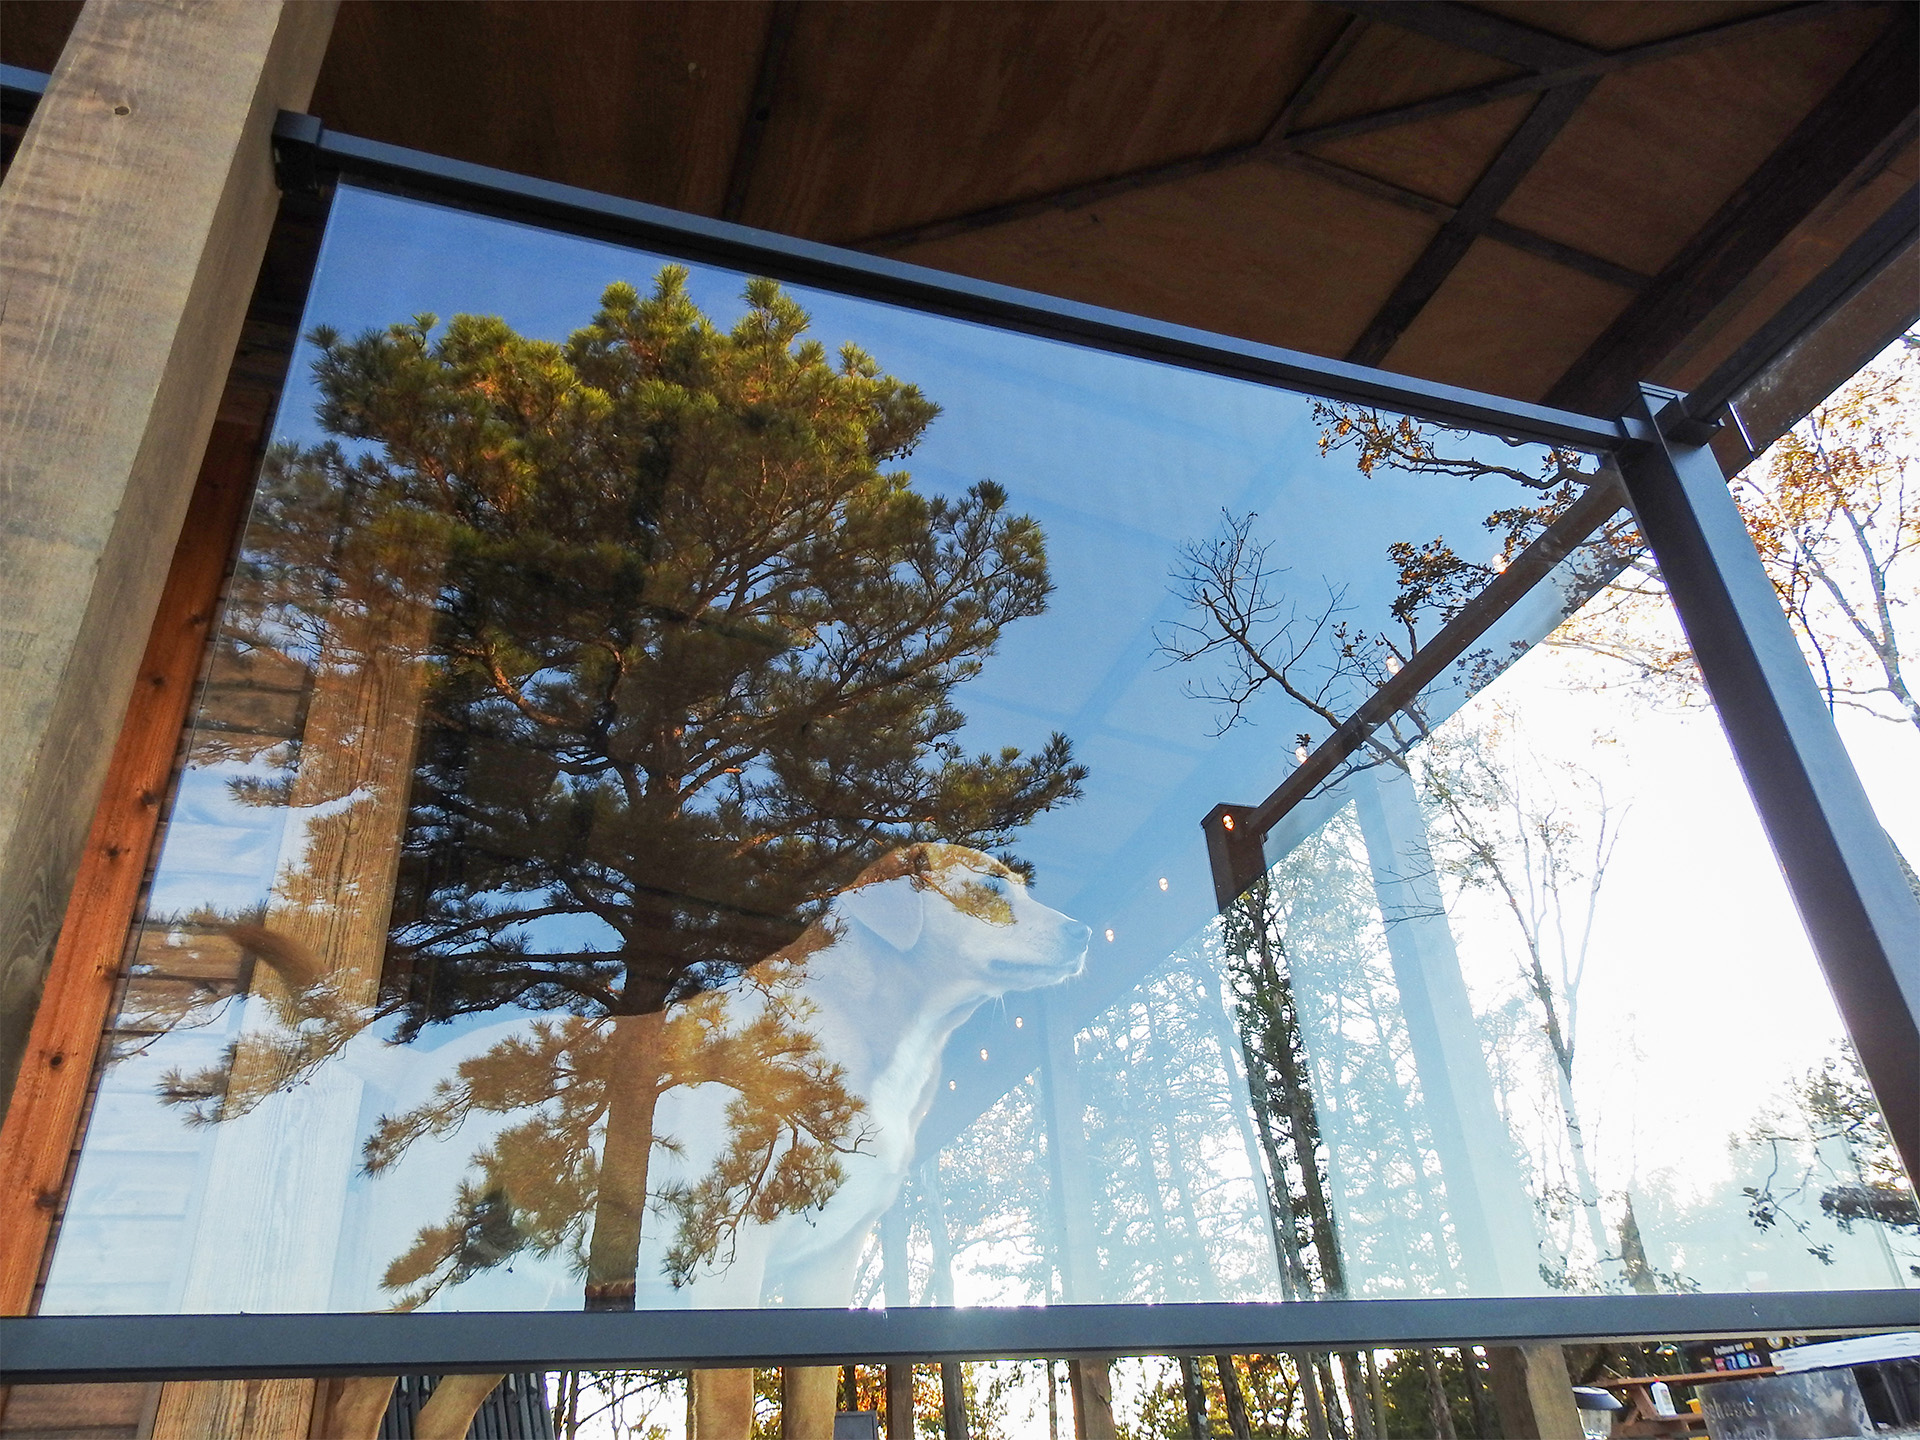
(780, 22)
(1496, 183)
(1481, 31)
(1474, 96)
(1873, 107)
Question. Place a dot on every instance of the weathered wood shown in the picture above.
(722, 1404)
(1501, 177)
(230, 1409)
(132, 222)
(1741, 27)
(1471, 28)
(747, 153)
(351, 1409)
(1871, 109)
(807, 1402)
(1090, 1382)
(37, 1139)
(1532, 1392)
(449, 1411)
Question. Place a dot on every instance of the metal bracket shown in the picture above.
(296, 149)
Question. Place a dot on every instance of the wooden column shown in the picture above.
(1532, 1391)
(132, 223)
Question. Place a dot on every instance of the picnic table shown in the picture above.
(1640, 1419)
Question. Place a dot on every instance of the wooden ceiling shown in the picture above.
(1548, 200)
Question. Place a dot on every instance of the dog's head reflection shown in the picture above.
(965, 914)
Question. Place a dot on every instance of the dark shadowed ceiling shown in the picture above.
(1549, 200)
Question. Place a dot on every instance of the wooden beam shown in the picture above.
(1282, 145)
(746, 154)
(1480, 31)
(1475, 96)
(1872, 108)
(1308, 90)
(1078, 197)
(132, 223)
(1510, 166)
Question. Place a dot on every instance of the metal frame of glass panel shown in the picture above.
(1861, 915)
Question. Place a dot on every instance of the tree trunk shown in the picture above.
(1378, 1390)
(1238, 1423)
(633, 1094)
(1633, 1253)
(1310, 1395)
(1484, 1424)
(1438, 1410)
(1196, 1399)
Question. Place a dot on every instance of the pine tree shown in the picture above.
(693, 652)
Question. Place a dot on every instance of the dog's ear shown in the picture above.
(893, 909)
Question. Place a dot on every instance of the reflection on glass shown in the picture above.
(642, 844)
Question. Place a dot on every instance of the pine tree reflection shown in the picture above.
(625, 656)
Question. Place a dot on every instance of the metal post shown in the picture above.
(1860, 913)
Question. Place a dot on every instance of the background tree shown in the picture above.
(693, 648)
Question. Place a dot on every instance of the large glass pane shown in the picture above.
(1835, 508)
(697, 800)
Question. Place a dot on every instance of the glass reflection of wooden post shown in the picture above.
(278, 1179)
(1070, 1192)
(897, 1285)
(1492, 1217)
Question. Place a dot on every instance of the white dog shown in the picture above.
(904, 957)
(901, 959)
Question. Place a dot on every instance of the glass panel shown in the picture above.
(682, 814)
(1835, 507)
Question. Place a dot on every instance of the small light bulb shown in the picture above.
(1163, 882)
(1226, 822)
(1300, 753)
(1109, 937)
(1393, 664)
(983, 1054)
(1019, 1022)
(1500, 564)
(953, 1084)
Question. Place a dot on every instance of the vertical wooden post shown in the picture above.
(900, 1401)
(807, 1394)
(1532, 1391)
(132, 223)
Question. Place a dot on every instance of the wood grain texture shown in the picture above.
(132, 223)
(647, 101)
(38, 1136)
(235, 1410)
(1866, 117)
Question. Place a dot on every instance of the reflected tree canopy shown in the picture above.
(624, 656)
